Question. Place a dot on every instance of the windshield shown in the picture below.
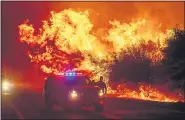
(76, 80)
(69, 80)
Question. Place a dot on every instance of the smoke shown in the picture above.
(167, 13)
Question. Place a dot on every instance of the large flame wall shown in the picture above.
(68, 37)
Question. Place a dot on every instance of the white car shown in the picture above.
(72, 90)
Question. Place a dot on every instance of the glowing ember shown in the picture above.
(67, 38)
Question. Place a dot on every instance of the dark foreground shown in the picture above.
(28, 104)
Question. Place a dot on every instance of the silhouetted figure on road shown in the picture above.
(102, 85)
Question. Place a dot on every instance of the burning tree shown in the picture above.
(133, 67)
(174, 59)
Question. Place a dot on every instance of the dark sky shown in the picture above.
(15, 13)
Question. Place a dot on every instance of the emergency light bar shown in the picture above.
(71, 73)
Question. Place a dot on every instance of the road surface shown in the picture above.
(29, 104)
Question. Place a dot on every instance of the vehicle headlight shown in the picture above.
(73, 94)
(101, 93)
(6, 86)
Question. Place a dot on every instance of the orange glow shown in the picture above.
(147, 92)
(68, 37)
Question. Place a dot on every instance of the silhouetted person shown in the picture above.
(102, 85)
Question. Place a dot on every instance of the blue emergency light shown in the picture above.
(71, 73)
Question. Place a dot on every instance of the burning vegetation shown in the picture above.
(68, 38)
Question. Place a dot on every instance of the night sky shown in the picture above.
(15, 13)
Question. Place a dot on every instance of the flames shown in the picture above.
(68, 38)
(148, 92)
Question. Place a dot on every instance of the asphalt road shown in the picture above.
(28, 104)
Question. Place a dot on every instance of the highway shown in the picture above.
(29, 104)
